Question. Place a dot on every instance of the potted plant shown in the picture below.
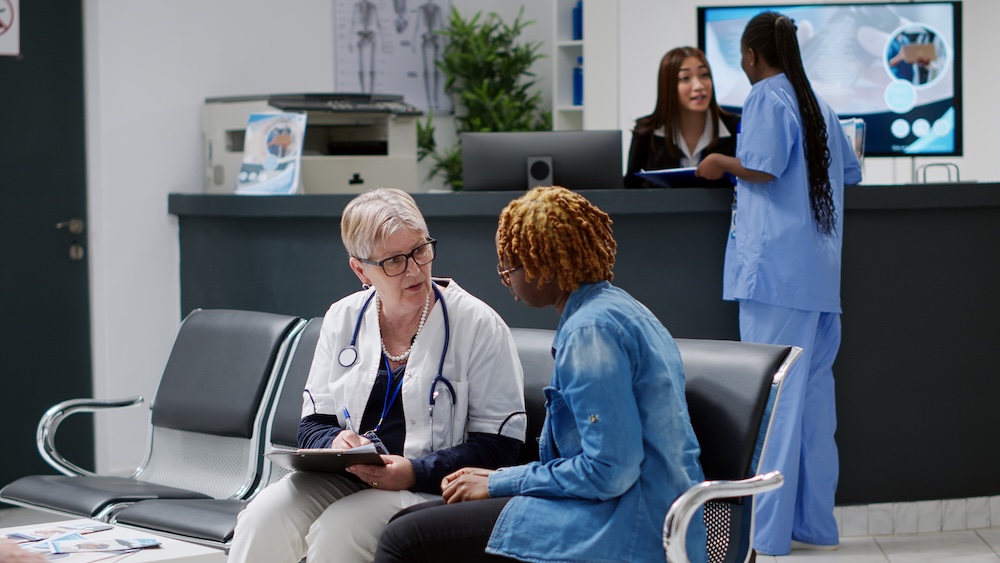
(487, 74)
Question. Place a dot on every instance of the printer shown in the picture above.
(353, 142)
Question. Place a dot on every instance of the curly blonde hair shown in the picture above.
(556, 234)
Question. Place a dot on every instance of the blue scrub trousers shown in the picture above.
(801, 443)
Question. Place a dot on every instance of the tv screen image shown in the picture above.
(896, 66)
(578, 160)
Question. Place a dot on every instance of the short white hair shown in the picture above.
(374, 216)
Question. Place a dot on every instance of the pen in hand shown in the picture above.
(347, 420)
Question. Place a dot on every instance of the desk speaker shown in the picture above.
(539, 171)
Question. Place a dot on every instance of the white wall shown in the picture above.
(655, 27)
(149, 65)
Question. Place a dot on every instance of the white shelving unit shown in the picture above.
(599, 49)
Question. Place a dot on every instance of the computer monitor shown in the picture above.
(897, 66)
(578, 160)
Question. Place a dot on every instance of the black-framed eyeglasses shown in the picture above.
(396, 265)
(505, 274)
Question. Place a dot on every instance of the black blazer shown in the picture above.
(649, 152)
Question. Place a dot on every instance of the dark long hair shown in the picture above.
(667, 113)
(772, 36)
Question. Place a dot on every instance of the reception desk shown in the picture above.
(917, 384)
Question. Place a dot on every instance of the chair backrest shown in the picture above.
(534, 347)
(209, 410)
(283, 425)
(731, 388)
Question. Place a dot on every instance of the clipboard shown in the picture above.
(326, 460)
(678, 178)
(916, 52)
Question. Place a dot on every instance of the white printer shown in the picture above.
(353, 142)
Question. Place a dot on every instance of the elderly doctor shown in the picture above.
(416, 365)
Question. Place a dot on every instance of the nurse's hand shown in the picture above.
(396, 475)
(712, 167)
(468, 483)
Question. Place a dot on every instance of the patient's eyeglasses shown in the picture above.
(396, 265)
(505, 274)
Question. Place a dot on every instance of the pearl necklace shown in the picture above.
(423, 318)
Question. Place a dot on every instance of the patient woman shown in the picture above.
(686, 125)
(617, 445)
(384, 355)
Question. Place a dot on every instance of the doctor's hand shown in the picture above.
(396, 475)
(468, 483)
(347, 439)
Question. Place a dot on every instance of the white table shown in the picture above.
(169, 550)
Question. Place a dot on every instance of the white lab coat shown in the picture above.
(481, 364)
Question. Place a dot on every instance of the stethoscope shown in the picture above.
(349, 355)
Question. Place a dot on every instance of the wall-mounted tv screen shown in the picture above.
(896, 66)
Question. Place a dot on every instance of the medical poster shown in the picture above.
(10, 28)
(390, 47)
(272, 154)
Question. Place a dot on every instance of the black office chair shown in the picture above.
(207, 421)
(212, 521)
(534, 347)
(732, 389)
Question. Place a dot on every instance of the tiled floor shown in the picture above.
(962, 546)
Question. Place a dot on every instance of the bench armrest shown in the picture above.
(675, 525)
(45, 436)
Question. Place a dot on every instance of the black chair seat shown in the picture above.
(211, 520)
(87, 496)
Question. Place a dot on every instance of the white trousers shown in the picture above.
(322, 517)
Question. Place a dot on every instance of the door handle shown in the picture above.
(75, 225)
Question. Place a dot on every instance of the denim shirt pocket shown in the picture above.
(561, 425)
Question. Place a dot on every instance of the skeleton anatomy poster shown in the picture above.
(389, 47)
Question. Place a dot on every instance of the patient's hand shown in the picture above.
(468, 483)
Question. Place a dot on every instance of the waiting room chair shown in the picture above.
(732, 389)
(207, 421)
(212, 521)
(534, 347)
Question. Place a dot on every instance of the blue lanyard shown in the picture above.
(387, 402)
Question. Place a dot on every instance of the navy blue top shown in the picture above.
(480, 450)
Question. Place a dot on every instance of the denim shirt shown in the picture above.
(617, 445)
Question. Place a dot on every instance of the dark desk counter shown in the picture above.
(916, 374)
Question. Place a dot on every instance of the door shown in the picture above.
(44, 300)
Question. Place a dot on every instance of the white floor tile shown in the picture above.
(879, 519)
(995, 511)
(991, 536)
(977, 512)
(953, 515)
(929, 516)
(963, 546)
(855, 521)
(904, 517)
(852, 550)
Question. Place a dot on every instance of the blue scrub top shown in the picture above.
(776, 254)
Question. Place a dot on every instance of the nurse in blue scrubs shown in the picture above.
(783, 267)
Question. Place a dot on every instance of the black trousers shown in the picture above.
(439, 532)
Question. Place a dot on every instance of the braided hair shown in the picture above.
(556, 234)
(772, 36)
